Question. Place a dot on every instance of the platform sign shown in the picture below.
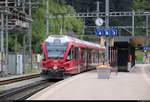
(146, 48)
(107, 32)
(99, 32)
(113, 32)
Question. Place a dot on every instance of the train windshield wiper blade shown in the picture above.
(62, 52)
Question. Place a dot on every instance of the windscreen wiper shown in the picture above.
(59, 54)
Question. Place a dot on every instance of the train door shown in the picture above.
(80, 66)
(91, 59)
(95, 58)
(85, 59)
(77, 59)
(88, 59)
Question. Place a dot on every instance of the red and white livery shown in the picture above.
(65, 55)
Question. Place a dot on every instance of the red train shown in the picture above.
(65, 55)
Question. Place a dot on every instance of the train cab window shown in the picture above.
(43, 56)
(70, 55)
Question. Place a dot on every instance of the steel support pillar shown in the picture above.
(30, 35)
(107, 26)
(47, 18)
(147, 30)
(133, 15)
(2, 43)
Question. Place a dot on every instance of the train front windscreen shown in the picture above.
(56, 51)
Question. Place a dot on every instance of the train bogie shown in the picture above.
(53, 74)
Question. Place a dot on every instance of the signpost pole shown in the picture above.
(107, 26)
(147, 31)
(98, 22)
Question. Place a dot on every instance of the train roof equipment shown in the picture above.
(64, 39)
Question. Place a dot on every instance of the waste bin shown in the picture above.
(15, 63)
(103, 73)
(19, 64)
(12, 63)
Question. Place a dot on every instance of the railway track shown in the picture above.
(8, 81)
(26, 91)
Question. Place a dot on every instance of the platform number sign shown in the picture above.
(99, 32)
(146, 49)
(113, 32)
(107, 32)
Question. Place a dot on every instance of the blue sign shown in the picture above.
(146, 48)
(107, 32)
(99, 32)
(113, 31)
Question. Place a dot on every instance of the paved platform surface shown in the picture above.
(86, 86)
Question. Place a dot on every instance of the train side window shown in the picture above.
(79, 53)
(94, 58)
(76, 53)
(89, 56)
(84, 55)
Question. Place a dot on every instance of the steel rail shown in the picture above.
(13, 80)
(24, 92)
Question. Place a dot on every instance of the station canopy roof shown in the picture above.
(136, 41)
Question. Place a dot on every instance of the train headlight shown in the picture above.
(55, 67)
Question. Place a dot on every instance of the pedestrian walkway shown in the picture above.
(87, 86)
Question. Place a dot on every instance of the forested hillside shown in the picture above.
(39, 26)
(143, 5)
(76, 24)
(90, 5)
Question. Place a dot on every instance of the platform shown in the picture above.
(133, 85)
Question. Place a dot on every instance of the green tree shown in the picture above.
(55, 24)
(142, 5)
